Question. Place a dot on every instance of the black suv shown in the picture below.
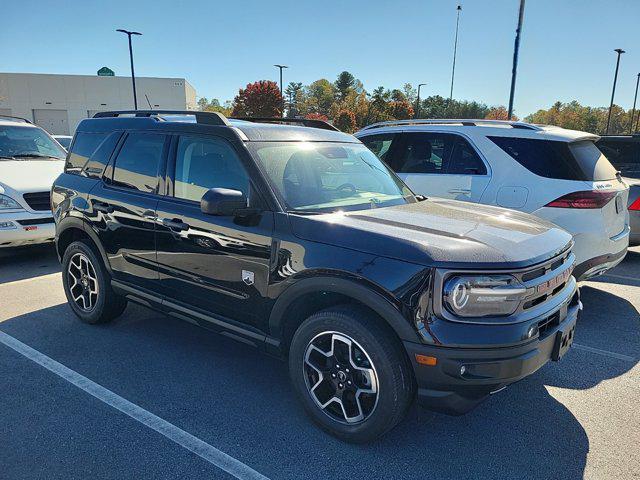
(293, 237)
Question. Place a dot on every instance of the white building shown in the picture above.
(58, 102)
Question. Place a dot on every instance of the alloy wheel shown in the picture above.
(83, 282)
(340, 377)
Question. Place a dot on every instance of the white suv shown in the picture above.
(30, 160)
(557, 174)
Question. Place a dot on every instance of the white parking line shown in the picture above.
(606, 353)
(184, 439)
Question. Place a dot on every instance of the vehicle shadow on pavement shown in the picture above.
(240, 401)
(33, 261)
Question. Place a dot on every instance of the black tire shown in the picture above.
(383, 351)
(105, 304)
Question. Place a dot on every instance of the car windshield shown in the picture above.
(64, 141)
(25, 143)
(317, 177)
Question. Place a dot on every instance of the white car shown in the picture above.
(30, 160)
(554, 173)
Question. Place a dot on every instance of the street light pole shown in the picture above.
(633, 110)
(417, 112)
(133, 75)
(516, 49)
(281, 67)
(455, 51)
(619, 51)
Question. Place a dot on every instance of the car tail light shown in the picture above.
(584, 199)
(635, 205)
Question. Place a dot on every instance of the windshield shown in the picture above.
(26, 143)
(64, 141)
(322, 177)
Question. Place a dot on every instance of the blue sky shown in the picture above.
(566, 51)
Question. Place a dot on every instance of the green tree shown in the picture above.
(344, 84)
(292, 94)
(319, 97)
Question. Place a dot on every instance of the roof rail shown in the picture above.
(307, 122)
(207, 118)
(20, 119)
(449, 121)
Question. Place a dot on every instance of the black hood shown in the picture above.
(439, 232)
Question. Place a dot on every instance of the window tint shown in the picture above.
(465, 160)
(624, 156)
(559, 160)
(137, 163)
(204, 163)
(379, 144)
(425, 153)
(83, 147)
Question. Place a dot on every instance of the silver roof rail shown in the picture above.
(452, 121)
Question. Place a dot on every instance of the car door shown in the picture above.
(440, 165)
(216, 265)
(124, 205)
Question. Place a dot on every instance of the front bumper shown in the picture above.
(449, 388)
(26, 228)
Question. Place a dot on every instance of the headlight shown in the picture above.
(8, 203)
(482, 295)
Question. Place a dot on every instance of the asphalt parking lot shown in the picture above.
(578, 418)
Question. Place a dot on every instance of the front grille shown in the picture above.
(545, 282)
(40, 201)
(36, 221)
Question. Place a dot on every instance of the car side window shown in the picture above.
(380, 145)
(465, 160)
(83, 147)
(136, 166)
(203, 163)
(425, 153)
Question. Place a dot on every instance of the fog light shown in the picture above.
(7, 225)
(533, 331)
(463, 369)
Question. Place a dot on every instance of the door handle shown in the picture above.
(103, 207)
(175, 224)
(460, 190)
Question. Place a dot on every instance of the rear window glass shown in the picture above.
(82, 148)
(559, 160)
(624, 156)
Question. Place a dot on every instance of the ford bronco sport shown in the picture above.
(293, 237)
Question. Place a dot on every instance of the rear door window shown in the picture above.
(465, 160)
(624, 156)
(136, 166)
(556, 159)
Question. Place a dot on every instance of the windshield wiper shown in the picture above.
(34, 155)
(6, 157)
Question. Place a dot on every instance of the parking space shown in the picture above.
(572, 419)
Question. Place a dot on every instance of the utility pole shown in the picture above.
(133, 74)
(619, 51)
(281, 67)
(455, 51)
(516, 49)
(633, 110)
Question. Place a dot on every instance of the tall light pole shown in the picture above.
(633, 110)
(133, 75)
(417, 112)
(455, 51)
(619, 51)
(281, 67)
(514, 68)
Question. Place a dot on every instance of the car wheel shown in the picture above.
(87, 285)
(350, 373)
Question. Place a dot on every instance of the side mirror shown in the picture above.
(222, 202)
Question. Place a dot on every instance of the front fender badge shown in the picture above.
(248, 277)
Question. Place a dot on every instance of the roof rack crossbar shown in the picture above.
(307, 122)
(207, 118)
(11, 117)
(446, 121)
